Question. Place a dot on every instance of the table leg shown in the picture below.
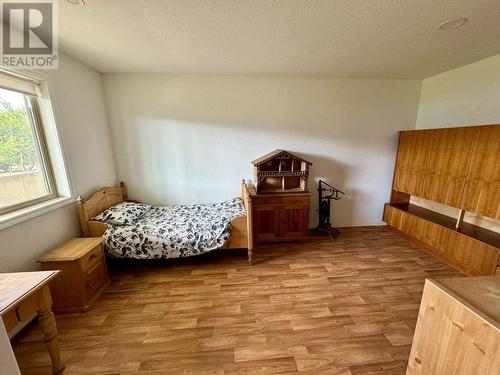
(49, 330)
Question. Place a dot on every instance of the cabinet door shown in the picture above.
(483, 258)
(449, 153)
(266, 222)
(412, 161)
(95, 279)
(482, 185)
(432, 164)
(469, 343)
(402, 169)
(294, 221)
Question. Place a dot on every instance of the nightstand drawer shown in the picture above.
(95, 279)
(92, 257)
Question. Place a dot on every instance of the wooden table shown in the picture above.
(24, 294)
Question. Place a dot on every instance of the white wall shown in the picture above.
(182, 139)
(469, 95)
(81, 116)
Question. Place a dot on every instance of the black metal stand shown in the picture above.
(324, 201)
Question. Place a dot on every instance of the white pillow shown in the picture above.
(125, 213)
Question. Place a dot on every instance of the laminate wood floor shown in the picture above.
(321, 307)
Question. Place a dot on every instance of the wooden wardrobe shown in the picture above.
(457, 167)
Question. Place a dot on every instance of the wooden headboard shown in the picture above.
(101, 200)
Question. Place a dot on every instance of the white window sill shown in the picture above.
(30, 212)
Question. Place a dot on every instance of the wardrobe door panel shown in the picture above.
(449, 156)
(421, 154)
(432, 164)
(411, 163)
(401, 171)
(482, 186)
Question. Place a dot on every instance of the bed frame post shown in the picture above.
(247, 201)
(124, 189)
(82, 213)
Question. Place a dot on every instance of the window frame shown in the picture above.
(37, 127)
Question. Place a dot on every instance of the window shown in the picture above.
(26, 176)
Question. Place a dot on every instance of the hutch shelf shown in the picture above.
(280, 172)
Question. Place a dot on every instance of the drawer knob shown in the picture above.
(89, 285)
(93, 256)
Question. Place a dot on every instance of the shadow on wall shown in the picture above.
(159, 146)
(181, 140)
(170, 162)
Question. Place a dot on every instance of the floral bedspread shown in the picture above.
(174, 231)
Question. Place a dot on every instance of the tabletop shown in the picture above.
(15, 286)
(482, 292)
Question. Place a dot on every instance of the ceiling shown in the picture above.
(335, 38)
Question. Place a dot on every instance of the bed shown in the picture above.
(238, 234)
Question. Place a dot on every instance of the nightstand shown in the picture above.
(84, 274)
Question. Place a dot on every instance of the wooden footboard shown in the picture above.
(247, 201)
(239, 234)
(241, 227)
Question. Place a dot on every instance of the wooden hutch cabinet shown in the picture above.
(280, 201)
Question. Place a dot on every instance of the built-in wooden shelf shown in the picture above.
(456, 167)
(472, 250)
(470, 230)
